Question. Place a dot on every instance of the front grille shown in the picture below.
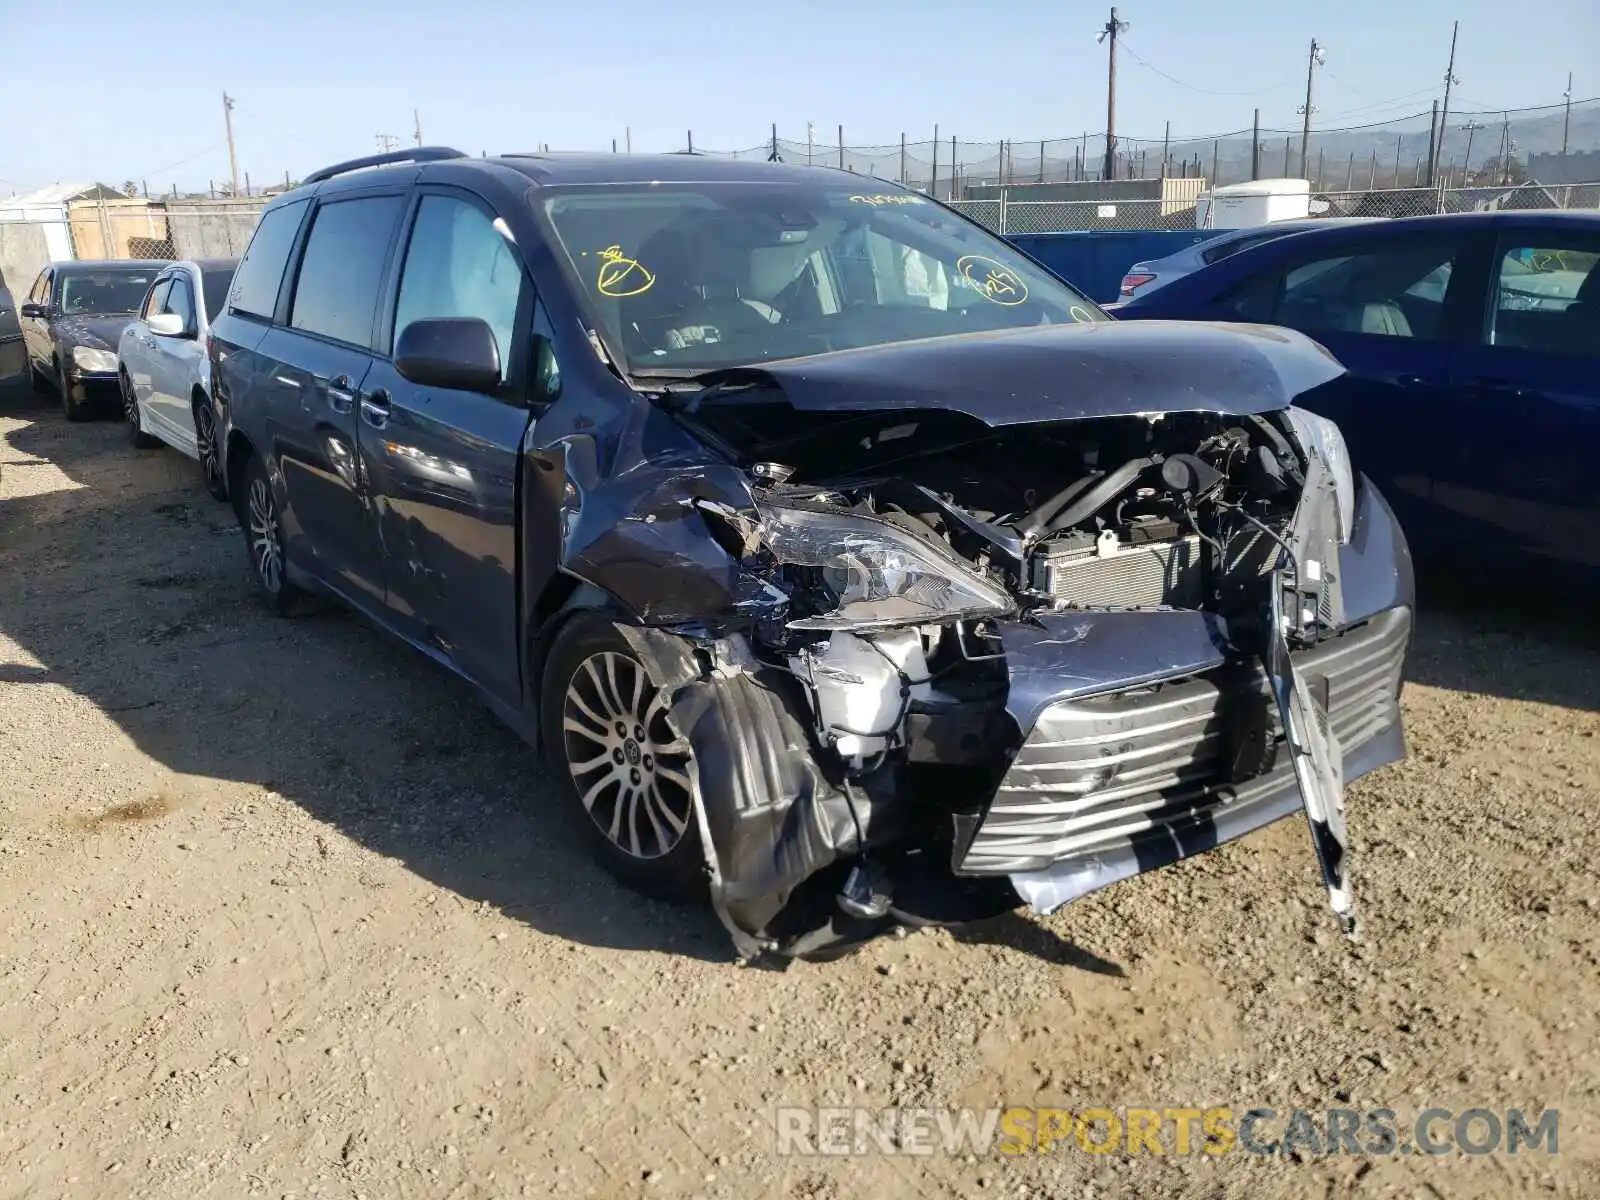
(1095, 772)
(1152, 575)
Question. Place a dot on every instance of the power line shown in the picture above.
(1192, 87)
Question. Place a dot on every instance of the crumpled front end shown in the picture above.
(963, 668)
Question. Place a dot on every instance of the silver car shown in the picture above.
(163, 370)
(1144, 277)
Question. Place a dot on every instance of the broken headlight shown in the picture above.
(876, 575)
(1320, 438)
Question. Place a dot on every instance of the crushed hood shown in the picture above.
(1061, 373)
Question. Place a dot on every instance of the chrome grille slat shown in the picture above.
(1056, 802)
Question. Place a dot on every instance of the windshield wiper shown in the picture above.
(686, 393)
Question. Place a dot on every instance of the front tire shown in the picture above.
(73, 410)
(130, 409)
(264, 543)
(205, 440)
(622, 768)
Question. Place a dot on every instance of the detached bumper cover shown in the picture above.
(1107, 786)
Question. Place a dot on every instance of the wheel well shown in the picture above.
(240, 451)
(563, 598)
(198, 396)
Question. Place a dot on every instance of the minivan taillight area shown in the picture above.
(1133, 281)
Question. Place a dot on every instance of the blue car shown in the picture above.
(1473, 348)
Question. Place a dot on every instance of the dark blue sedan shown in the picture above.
(1473, 348)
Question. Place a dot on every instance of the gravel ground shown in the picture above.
(285, 912)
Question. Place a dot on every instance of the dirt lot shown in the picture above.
(285, 912)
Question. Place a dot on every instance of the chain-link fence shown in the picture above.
(169, 229)
(1412, 150)
(1007, 216)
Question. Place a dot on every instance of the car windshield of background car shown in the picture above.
(107, 292)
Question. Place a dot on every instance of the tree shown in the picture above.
(1498, 170)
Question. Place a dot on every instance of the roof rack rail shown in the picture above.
(421, 154)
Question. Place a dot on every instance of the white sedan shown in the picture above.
(163, 369)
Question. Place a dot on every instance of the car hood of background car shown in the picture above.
(94, 331)
(1059, 373)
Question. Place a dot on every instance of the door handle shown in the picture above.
(375, 409)
(340, 398)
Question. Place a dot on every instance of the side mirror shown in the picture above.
(31, 309)
(449, 352)
(166, 325)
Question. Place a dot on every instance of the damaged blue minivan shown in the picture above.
(851, 570)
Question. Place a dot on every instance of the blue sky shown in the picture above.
(134, 90)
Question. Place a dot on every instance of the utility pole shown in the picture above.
(1566, 120)
(233, 158)
(1109, 35)
(1470, 128)
(416, 126)
(1505, 148)
(1444, 116)
(1166, 140)
(811, 142)
(387, 142)
(1255, 147)
(1433, 141)
(1312, 63)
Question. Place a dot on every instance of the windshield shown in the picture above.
(105, 291)
(684, 278)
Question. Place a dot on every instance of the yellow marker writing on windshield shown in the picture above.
(994, 280)
(620, 275)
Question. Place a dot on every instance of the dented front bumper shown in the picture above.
(1141, 737)
(1111, 783)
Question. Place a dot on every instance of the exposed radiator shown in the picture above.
(1144, 576)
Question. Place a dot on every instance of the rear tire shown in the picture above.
(628, 793)
(263, 540)
(212, 470)
(130, 409)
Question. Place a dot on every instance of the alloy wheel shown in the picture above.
(629, 766)
(205, 436)
(130, 402)
(266, 550)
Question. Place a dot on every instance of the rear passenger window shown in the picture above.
(260, 273)
(337, 293)
(1547, 297)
